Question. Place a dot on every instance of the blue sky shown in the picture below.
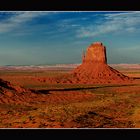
(34, 38)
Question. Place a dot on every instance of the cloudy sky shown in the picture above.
(36, 38)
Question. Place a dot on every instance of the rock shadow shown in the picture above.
(47, 91)
(40, 91)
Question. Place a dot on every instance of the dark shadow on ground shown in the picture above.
(40, 91)
(136, 77)
(47, 91)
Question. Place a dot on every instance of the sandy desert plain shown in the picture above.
(52, 97)
(93, 94)
(45, 105)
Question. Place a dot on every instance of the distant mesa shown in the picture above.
(94, 68)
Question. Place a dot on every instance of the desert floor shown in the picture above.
(70, 105)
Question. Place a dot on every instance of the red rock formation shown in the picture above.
(96, 53)
(10, 93)
(7, 86)
(94, 68)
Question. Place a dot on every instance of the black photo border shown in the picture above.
(69, 5)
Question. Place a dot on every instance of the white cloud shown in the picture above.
(17, 19)
(116, 22)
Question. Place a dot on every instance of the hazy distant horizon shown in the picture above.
(50, 38)
(61, 64)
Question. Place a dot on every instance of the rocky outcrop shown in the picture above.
(15, 94)
(7, 86)
(93, 70)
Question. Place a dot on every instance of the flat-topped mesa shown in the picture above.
(95, 53)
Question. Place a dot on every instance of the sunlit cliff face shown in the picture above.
(96, 53)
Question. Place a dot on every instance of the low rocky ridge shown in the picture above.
(15, 94)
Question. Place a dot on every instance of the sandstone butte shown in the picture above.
(94, 69)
